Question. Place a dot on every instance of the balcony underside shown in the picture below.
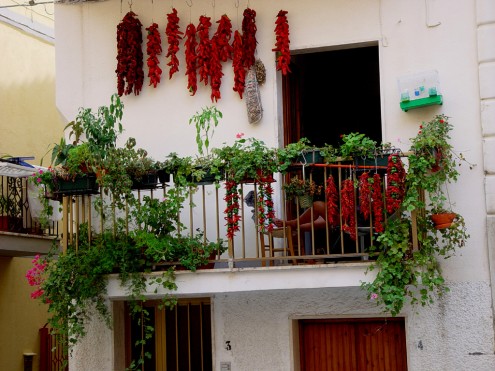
(207, 282)
(20, 244)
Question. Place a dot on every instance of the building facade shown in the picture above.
(258, 315)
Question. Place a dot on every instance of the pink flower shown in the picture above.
(373, 296)
(38, 180)
(36, 294)
(239, 135)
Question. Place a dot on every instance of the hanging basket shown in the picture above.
(305, 201)
(444, 220)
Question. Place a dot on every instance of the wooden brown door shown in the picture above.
(353, 345)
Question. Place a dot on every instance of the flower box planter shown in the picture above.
(163, 176)
(147, 181)
(372, 161)
(80, 185)
(207, 177)
(310, 157)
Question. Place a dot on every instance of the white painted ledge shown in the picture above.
(215, 281)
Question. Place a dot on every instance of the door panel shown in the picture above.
(357, 345)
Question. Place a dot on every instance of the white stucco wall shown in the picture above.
(158, 118)
(413, 36)
(454, 334)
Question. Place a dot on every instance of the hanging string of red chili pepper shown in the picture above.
(215, 72)
(203, 51)
(154, 49)
(232, 210)
(282, 42)
(222, 38)
(266, 213)
(221, 51)
(237, 64)
(348, 208)
(190, 54)
(173, 37)
(364, 195)
(249, 37)
(130, 74)
(396, 183)
(332, 199)
(377, 203)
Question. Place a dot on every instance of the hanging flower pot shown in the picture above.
(305, 201)
(443, 220)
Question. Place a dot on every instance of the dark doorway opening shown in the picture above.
(330, 93)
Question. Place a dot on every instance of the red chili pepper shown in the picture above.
(215, 72)
(364, 195)
(154, 49)
(130, 74)
(266, 211)
(282, 43)
(173, 36)
(190, 54)
(203, 50)
(348, 208)
(232, 210)
(396, 188)
(332, 199)
(249, 37)
(222, 38)
(377, 204)
(237, 64)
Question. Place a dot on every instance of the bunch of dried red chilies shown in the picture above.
(173, 37)
(282, 43)
(154, 49)
(130, 75)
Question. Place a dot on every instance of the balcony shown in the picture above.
(302, 236)
(20, 232)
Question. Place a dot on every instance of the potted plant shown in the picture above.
(80, 159)
(141, 168)
(300, 152)
(302, 190)
(329, 153)
(402, 271)
(247, 160)
(356, 145)
(207, 168)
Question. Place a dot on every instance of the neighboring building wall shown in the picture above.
(29, 122)
(486, 55)
(456, 333)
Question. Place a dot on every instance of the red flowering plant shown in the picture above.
(36, 276)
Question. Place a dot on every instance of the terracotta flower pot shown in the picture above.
(443, 220)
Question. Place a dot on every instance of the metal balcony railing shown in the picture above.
(18, 207)
(301, 235)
